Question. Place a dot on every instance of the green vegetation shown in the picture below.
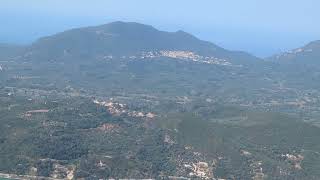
(132, 148)
(163, 116)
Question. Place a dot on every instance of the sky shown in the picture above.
(261, 27)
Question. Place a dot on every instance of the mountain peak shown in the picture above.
(123, 23)
(120, 26)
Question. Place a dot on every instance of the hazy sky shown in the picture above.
(261, 27)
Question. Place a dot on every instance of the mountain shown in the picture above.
(125, 100)
(300, 67)
(119, 39)
(308, 54)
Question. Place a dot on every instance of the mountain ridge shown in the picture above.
(126, 38)
(307, 54)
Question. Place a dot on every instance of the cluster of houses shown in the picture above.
(178, 55)
(118, 109)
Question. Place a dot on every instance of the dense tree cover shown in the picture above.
(136, 150)
(60, 147)
(244, 121)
